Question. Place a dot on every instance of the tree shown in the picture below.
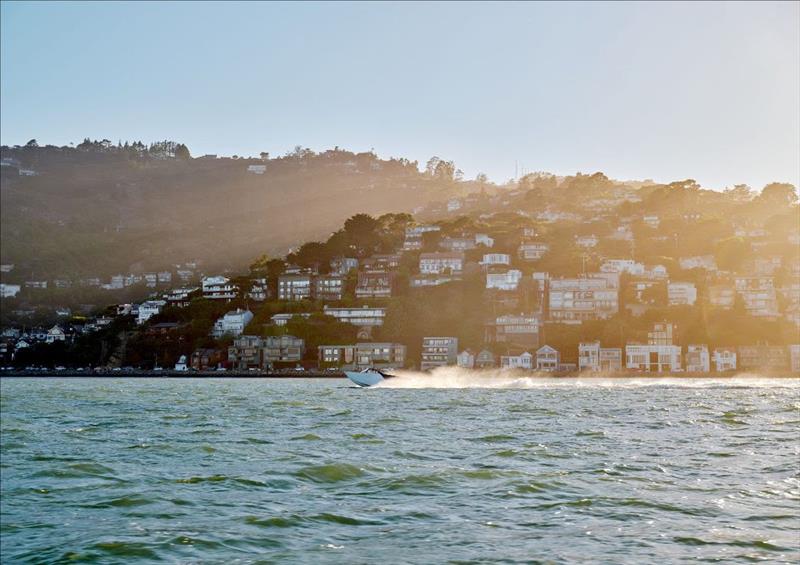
(182, 152)
(740, 193)
(481, 178)
(32, 144)
(363, 232)
(264, 156)
(779, 194)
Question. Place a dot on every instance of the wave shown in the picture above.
(455, 377)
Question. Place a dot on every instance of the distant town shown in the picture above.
(546, 274)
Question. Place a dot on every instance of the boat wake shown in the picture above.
(454, 377)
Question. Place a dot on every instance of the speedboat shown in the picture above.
(367, 377)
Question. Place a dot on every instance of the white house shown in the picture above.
(725, 359)
(547, 359)
(233, 323)
(55, 334)
(532, 251)
(9, 290)
(484, 239)
(496, 259)
(574, 300)
(592, 357)
(681, 293)
(504, 281)
(586, 241)
(283, 319)
(364, 316)
(697, 359)
(257, 169)
(706, 262)
(652, 358)
(148, 309)
(440, 263)
(218, 288)
(521, 361)
(622, 266)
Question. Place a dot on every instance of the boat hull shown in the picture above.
(365, 379)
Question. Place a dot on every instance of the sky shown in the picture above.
(661, 91)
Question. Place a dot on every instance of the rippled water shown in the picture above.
(221, 471)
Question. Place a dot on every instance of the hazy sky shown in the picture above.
(663, 91)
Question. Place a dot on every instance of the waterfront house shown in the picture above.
(651, 358)
(55, 334)
(484, 359)
(232, 323)
(593, 357)
(363, 356)
(438, 352)
(206, 358)
(522, 361)
(547, 359)
(466, 359)
(724, 359)
(282, 349)
(246, 352)
(762, 357)
(697, 359)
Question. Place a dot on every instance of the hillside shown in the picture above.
(98, 209)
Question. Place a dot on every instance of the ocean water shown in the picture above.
(477, 470)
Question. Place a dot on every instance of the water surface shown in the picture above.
(299, 471)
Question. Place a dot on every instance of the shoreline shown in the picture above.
(743, 374)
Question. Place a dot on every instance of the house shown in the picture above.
(150, 280)
(706, 262)
(55, 334)
(652, 221)
(724, 359)
(547, 359)
(363, 355)
(328, 287)
(283, 318)
(381, 263)
(179, 296)
(294, 287)
(655, 272)
(419, 281)
(794, 358)
(232, 323)
(658, 355)
(206, 358)
(520, 330)
(484, 360)
(484, 239)
(622, 266)
(413, 237)
(258, 292)
(466, 359)
(149, 309)
(491, 259)
(343, 265)
(162, 329)
(375, 284)
(164, 277)
(181, 365)
(589, 298)
(246, 352)
(592, 357)
(721, 296)
(257, 169)
(681, 293)
(508, 280)
(532, 251)
(454, 204)
(653, 358)
(697, 359)
(438, 352)
(282, 349)
(218, 288)
(586, 241)
(522, 361)
(458, 243)
(441, 263)
(758, 295)
(364, 316)
(763, 357)
(9, 290)
(36, 284)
